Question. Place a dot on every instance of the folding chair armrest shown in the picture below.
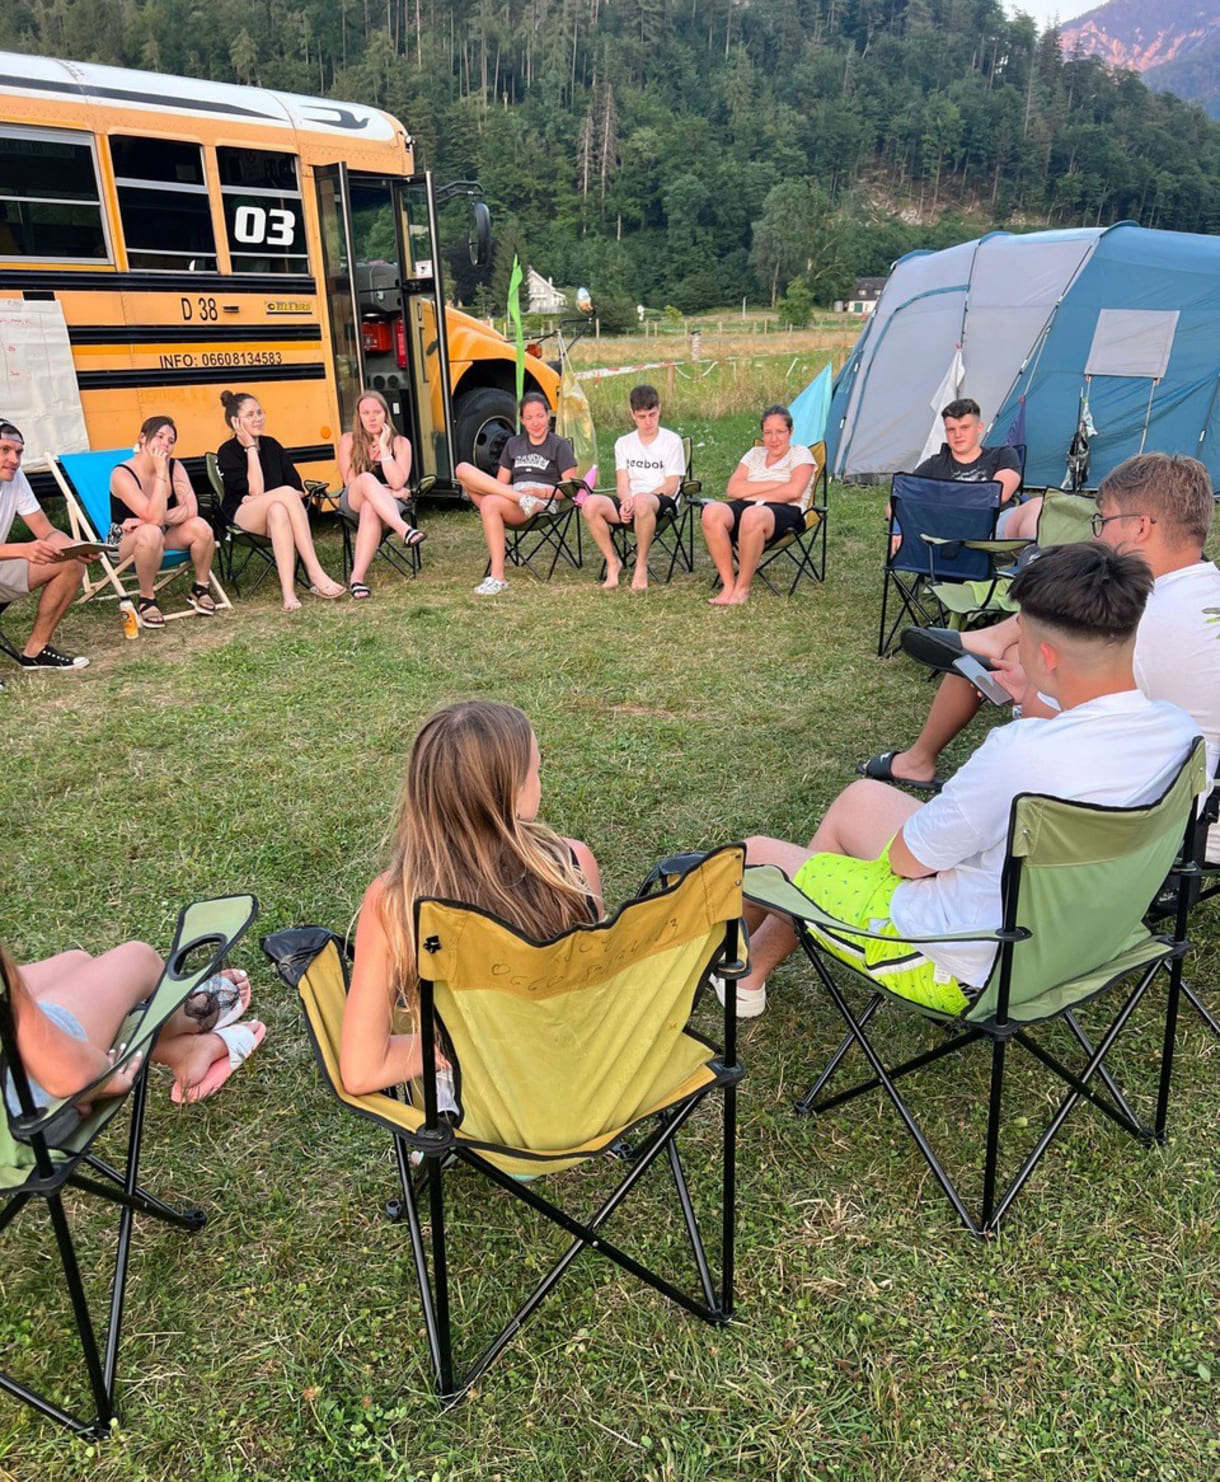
(320, 496)
(691, 489)
(768, 886)
(425, 486)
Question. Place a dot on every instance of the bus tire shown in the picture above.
(483, 419)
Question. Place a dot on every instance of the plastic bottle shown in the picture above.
(585, 487)
(131, 624)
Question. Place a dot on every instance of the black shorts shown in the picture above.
(788, 517)
(666, 505)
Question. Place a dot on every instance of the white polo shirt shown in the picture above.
(1120, 751)
(648, 465)
(16, 498)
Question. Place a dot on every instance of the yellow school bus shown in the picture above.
(198, 236)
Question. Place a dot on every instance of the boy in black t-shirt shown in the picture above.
(963, 459)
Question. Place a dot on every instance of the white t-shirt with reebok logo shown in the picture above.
(649, 465)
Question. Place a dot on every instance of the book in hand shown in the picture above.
(88, 550)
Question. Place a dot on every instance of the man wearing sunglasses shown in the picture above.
(1158, 506)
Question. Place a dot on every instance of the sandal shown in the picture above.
(149, 613)
(326, 596)
(240, 1042)
(218, 1001)
(359, 591)
(881, 769)
(414, 537)
(201, 599)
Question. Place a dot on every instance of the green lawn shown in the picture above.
(874, 1339)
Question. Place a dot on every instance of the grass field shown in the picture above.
(873, 1339)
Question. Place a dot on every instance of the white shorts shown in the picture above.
(14, 579)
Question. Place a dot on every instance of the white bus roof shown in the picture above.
(161, 93)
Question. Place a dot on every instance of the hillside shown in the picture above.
(1173, 44)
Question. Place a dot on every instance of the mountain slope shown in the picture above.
(1175, 44)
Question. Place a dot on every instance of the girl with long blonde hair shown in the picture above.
(467, 830)
(375, 465)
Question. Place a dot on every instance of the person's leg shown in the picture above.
(645, 522)
(757, 528)
(101, 991)
(280, 515)
(477, 484)
(194, 535)
(954, 706)
(863, 819)
(600, 512)
(57, 586)
(146, 544)
(369, 530)
(772, 938)
(717, 523)
(377, 509)
(1022, 522)
(496, 511)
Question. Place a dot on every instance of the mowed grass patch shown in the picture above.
(873, 1338)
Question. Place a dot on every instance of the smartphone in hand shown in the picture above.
(969, 667)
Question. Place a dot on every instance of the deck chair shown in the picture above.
(934, 518)
(407, 561)
(1065, 519)
(84, 481)
(231, 538)
(673, 544)
(1056, 951)
(559, 1050)
(802, 553)
(45, 1151)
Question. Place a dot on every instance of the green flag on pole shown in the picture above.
(514, 313)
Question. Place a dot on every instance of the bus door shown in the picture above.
(339, 281)
(396, 283)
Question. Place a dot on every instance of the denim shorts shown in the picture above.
(70, 1024)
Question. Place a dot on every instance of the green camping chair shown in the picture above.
(1196, 880)
(559, 1050)
(45, 1150)
(1056, 951)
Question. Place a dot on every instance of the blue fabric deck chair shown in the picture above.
(84, 481)
(933, 518)
(47, 1150)
(1076, 885)
(559, 1051)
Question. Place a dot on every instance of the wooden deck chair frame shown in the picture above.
(1000, 1016)
(709, 892)
(546, 533)
(956, 513)
(6, 643)
(50, 1149)
(675, 532)
(804, 549)
(118, 582)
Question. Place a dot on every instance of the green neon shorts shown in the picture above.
(860, 892)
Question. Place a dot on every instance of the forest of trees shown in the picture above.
(690, 152)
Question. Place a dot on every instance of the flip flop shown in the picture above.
(230, 997)
(241, 1041)
(414, 537)
(360, 591)
(881, 769)
(938, 648)
(327, 596)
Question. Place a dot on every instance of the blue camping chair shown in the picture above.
(84, 481)
(933, 518)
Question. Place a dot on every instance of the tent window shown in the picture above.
(1132, 342)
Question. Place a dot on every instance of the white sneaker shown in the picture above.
(490, 586)
(750, 1001)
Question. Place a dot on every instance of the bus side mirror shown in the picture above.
(480, 242)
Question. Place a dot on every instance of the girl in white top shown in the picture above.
(374, 464)
(767, 495)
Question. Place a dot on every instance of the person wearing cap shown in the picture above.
(39, 564)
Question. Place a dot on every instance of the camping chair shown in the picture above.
(6, 643)
(805, 549)
(1198, 879)
(43, 1151)
(405, 560)
(675, 533)
(84, 481)
(558, 1051)
(230, 537)
(1065, 519)
(546, 532)
(934, 519)
(1056, 950)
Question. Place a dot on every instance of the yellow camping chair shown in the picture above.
(558, 1051)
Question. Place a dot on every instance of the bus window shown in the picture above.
(49, 202)
(163, 204)
(262, 204)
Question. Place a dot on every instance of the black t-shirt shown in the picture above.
(944, 465)
(538, 463)
(231, 459)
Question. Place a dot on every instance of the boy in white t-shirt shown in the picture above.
(884, 862)
(36, 565)
(648, 468)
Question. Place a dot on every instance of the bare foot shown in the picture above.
(193, 1057)
(721, 599)
(639, 582)
(292, 604)
(739, 599)
(613, 572)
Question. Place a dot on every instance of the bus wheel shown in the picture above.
(483, 420)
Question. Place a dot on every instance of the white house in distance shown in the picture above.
(542, 295)
(864, 296)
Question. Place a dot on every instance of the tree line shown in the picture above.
(692, 152)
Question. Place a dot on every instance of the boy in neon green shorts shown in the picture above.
(885, 863)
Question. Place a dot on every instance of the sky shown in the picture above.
(1044, 11)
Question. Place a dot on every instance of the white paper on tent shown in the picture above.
(41, 395)
(1132, 342)
(949, 390)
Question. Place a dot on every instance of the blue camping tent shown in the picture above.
(1124, 318)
